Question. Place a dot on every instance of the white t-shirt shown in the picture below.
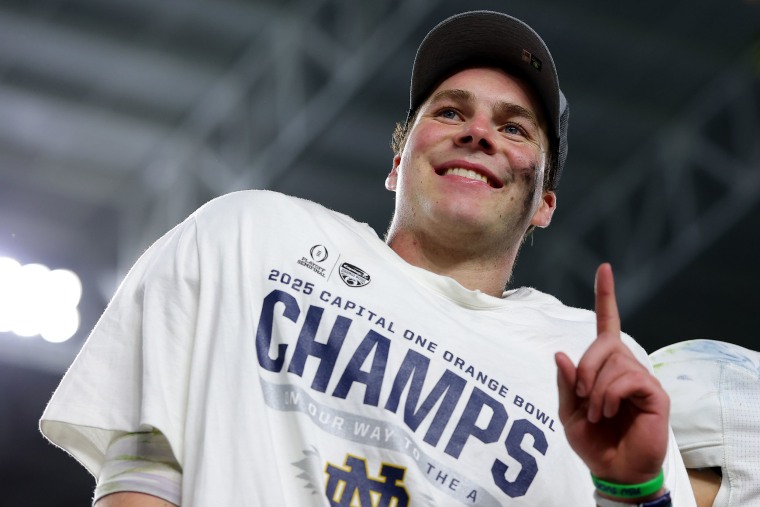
(291, 358)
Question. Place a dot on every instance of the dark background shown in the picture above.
(118, 118)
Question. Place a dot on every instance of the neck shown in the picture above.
(474, 263)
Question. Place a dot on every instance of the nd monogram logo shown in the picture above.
(350, 486)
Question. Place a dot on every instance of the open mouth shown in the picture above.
(471, 175)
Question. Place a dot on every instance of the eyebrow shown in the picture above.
(507, 109)
(455, 94)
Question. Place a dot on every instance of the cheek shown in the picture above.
(409, 180)
(415, 157)
(527, 175)
(425, 135)
(525, 167)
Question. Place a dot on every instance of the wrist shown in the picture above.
(635, 501)
(630, 492)
(659, 499)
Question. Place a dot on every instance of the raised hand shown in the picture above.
(615, 412)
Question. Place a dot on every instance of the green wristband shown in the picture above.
(629, 490)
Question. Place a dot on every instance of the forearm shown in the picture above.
(131, 499)
(658, 499)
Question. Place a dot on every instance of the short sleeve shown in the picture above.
(131, 374)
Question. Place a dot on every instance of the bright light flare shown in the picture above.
(9, 272)
(37, 301)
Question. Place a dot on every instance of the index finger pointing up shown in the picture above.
(607, 316)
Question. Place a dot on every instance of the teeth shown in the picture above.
(466, 173)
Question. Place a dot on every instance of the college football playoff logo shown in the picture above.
(318, 253)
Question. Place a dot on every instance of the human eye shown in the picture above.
(448, 113)
(513, 129)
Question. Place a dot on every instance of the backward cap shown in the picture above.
(495, 38)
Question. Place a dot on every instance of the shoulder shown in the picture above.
(711, 351)
(576, 327)
(262, 209)
(549, 305)
(696, 367)
(262, 219)
(258, 201)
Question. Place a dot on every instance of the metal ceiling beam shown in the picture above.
(77, 180)
(649, 216)
(247, 137)
(63, 130)
(222, 136)
(240, 18)
(112, 68)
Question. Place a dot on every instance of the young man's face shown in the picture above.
(474, 158)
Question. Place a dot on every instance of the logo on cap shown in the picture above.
(534, 62)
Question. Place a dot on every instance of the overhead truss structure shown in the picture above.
(693, 181)
(299, 71)
(299, 68)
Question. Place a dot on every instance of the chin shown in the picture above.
(468, 219)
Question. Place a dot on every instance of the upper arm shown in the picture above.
(705, 484)
(130, 499)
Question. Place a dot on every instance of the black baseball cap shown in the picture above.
(494, 38)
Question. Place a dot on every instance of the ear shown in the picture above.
(392, 178)
(543, 215)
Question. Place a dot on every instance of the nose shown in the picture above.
(476, 134)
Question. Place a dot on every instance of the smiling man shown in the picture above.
(268, 351)
(469, 181)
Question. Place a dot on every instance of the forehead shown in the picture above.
(494, 85)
